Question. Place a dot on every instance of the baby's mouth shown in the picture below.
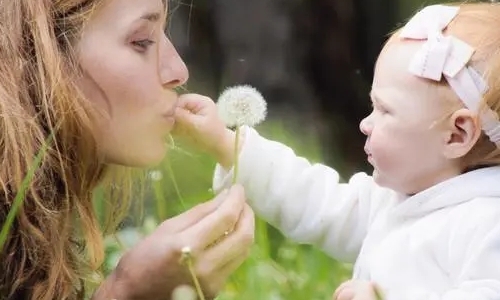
(367, 150)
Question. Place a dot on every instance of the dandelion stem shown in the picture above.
(378, 294)
(236, 140)
(195, 279)
(187, 260)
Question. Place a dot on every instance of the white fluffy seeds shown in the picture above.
(241, 105)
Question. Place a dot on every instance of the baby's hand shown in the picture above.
(198, 121)
(356, 290)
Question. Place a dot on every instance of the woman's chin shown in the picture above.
(150, 157)
(153, 158)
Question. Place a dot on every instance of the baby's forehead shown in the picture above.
(394, 61)
(392, 73)
(401, 51)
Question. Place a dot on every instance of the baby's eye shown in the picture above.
(143, 45)
(379, 108)
(383, 110)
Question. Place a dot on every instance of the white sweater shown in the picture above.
(442, 243)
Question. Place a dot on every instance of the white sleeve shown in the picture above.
(305, 201)
(475, 257)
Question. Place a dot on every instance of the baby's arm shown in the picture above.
(305, 201)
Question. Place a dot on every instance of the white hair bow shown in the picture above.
(448, 56)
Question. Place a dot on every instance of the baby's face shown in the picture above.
(405, 141)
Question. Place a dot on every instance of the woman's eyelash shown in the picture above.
(143, 44)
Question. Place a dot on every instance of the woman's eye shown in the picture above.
(143, 45)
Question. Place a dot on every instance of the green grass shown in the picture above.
(277, 268)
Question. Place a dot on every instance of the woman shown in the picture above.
(98, 76)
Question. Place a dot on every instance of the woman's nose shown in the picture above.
(173, 70)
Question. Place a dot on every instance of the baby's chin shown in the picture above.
(378, 178)
(385, 182)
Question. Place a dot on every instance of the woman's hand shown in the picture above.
(356, 290)
(197, 121)
(152, 269)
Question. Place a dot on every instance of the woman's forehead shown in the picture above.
(118, 13)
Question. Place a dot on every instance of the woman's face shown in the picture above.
(130, 69)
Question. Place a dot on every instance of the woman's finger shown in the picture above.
(189, 218)
(213, 226)
(217, 278)
(340, 292)
(346, 294)
(234, 243)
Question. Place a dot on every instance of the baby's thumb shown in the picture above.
(184, 117)
(185, 123)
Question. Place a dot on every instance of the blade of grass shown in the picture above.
(19, 198)
(161, 202)
(174, 183)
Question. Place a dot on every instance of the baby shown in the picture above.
(426, 224)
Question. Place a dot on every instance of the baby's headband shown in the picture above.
(449, 56)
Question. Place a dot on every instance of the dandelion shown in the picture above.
(156, 175)
(238, 106)
(184, 292)
(241, 105)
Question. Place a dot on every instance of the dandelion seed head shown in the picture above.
(241, 105)
(156, 175)
(184, 292)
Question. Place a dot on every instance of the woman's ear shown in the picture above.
(462, 132)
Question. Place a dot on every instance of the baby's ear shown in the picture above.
(463, 131)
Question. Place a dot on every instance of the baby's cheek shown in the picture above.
(378, 141)
(384, 149)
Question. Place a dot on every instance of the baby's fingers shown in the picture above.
(197, 104)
